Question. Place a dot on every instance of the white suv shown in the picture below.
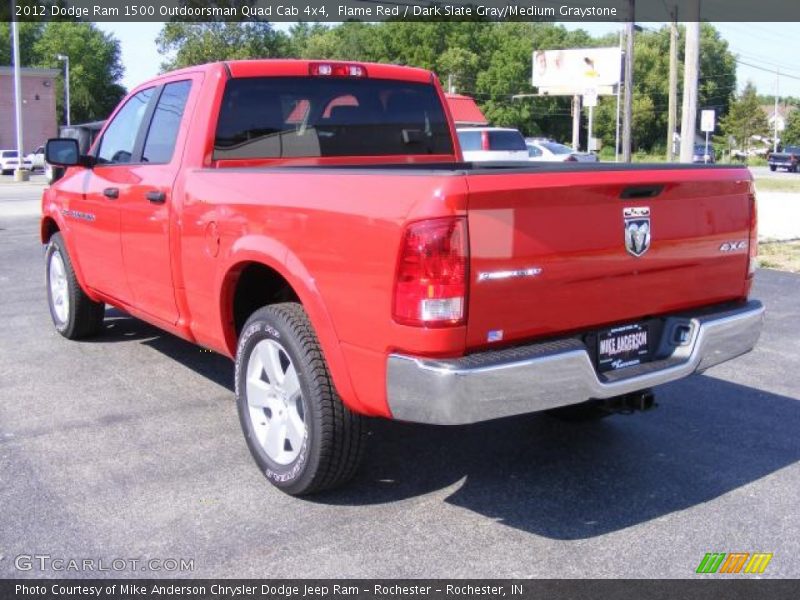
(479, 144)
(9, 162)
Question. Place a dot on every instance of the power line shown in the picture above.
(765, 69)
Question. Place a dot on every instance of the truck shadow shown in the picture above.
(121, 327)
(560, 480)
(580, 480)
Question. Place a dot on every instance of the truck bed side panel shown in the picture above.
(562, 235)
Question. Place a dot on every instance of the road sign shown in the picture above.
(707, 120)
(590, 97)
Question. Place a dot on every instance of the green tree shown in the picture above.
(95, 65)
(791, 135)
(29, 33)
(745, 119)
(299, 36)
(458, 65)
(717, 82)
(189, 44)
(489, 61)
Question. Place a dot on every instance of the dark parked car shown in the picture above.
(788, 159)
(700, 155)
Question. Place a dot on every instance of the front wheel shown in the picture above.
(773, 167)
(301, 435)
(74, 314)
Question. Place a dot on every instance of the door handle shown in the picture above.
(637, 192)
(156, 197)
(112, 193)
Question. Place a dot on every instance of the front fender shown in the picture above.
(51, 212)
(276, 256)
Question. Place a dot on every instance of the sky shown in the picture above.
(768, 46)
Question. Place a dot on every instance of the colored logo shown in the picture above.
(734, 562)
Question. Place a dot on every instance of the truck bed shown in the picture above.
(548, 243)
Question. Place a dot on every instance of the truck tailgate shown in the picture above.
(550, 253)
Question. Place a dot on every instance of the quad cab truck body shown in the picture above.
(315, 222)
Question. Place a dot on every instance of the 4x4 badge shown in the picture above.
(637, 229)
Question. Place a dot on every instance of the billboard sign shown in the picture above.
(707, 120)
(570, 72)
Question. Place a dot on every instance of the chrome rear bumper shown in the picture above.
(526, 379)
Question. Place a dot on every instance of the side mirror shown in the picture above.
(64, 152)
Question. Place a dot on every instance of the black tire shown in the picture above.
(334, 437)
(591, 410)
(773, 168)
(84, 317)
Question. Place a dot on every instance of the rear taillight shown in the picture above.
(753, 251)
(485, 140)
(571, 158)
(337, 70)
(431, 282)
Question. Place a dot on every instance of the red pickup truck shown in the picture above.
(315, 222)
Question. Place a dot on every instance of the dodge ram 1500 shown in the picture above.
(315, 221)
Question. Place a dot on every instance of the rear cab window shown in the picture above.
(507, 140)
(297, 117)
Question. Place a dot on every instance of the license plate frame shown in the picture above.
(623, 346)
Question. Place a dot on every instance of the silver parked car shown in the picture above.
(550, 151)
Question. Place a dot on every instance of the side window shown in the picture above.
(120, 137)
(163, 132)
(534, 151)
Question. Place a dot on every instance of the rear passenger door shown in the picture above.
(147, 211)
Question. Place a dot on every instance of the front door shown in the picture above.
(95, 212)
(146, 206)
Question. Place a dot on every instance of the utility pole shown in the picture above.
(20, 174)
(775, 113)
(673, 84)
(616, 118)
(450, 89)
(627, 113)
(67, 108)
(576, 122)
(690, 76)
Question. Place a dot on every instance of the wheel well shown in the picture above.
(49, 227)
(257, 285)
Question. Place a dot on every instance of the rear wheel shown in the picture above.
(74, 314)
(301, 435)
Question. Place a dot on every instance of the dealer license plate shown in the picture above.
(622, 347)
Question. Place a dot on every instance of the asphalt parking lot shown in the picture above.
(765, 173)
(128, 446)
